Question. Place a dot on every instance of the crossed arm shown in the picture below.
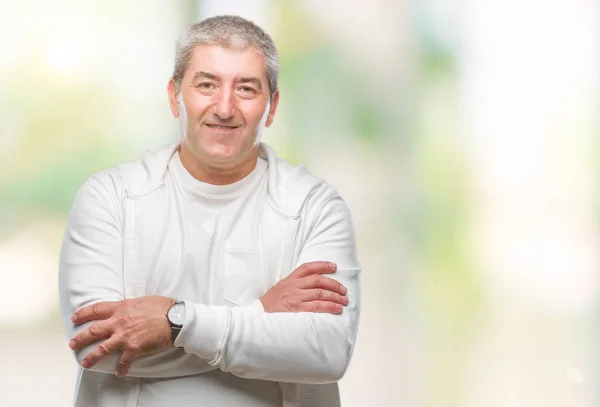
(282, 344)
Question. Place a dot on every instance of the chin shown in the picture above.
(220, 154)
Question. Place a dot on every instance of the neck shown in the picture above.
(216, 175)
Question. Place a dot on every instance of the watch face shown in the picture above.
(176, 314)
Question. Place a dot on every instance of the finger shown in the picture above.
(320, 294)
(321, 307)
(314, 267)
(91, 334)
(103, 350)
(99, 310)
(323, 282)
(125, 362)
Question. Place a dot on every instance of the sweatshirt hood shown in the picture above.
(288, 186)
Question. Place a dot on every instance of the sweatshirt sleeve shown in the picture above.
(91, 271)
(300, 347)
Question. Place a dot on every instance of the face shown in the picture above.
(223, 105)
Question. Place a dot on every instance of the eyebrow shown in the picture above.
(202, 74)
(252, 79)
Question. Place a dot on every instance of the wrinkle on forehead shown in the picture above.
(225, 62)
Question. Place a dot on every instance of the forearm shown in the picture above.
(284, 347)
(287, 347)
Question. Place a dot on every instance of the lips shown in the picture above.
(221, 126)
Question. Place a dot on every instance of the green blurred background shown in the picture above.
(463, 135)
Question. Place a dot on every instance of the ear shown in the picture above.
(171, 89)
(273, 109)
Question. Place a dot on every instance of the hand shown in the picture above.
(135, 327)
(306, 290)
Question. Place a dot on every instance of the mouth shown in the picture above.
(221, 127)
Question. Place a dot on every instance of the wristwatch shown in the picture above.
(176, 318)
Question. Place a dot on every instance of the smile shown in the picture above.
(221, 127)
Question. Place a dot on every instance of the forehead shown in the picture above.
(227, 63)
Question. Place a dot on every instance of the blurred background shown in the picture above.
(463, 135)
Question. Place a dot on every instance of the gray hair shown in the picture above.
(227, 31)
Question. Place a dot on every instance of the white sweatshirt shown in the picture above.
(149, 228)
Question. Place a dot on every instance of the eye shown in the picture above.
(248, 90)
(205, 86)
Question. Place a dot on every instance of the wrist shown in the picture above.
(176, 318)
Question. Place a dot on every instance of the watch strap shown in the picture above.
(175, 330)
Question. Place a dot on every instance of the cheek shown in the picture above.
(196, 108)
(257, 114)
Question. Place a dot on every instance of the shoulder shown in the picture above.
(101, 196)
(325, 204)
(134, 178)
(109, 180)
(147, 173)
(293, 188)
(317, 200)
(111, 186)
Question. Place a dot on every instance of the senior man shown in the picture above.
(211, 272)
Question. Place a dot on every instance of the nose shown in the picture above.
(224, 106)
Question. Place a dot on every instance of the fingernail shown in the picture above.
(344, 290)
(333, 266)
(119, 374)
(72, 344)
(85, 364)
(338, 307)
(345, 300)
(74, 318)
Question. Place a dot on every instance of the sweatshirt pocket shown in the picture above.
(244, 272)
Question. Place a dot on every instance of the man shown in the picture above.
(211, 272)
